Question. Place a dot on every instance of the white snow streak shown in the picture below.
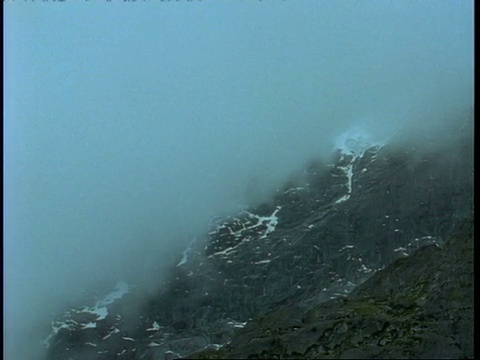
(270, 221)
(354, 141)
(155, 327)
(153, 344)
(262, 262)
(100, 308)
(187, 252)
(114, 331)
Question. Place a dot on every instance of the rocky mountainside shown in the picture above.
(353, 258)
(420, 306)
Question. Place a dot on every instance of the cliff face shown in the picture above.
(276, 280)
(419, 306)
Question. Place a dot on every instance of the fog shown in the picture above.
(128, 126)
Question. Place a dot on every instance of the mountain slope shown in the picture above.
(325, 233)
(418, 307)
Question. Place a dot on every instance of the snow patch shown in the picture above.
(237, 324)
(357, 140)
(155, 327)
(90, 325)
(114, 331)
(213, 347)
(346, 247)
(262, 262)
(153, 344)
(57, 326)
(349, 172)
(365, 269)
(270, 221)
(187, 252)
(293, 190)
(402, 251)
(101, 307)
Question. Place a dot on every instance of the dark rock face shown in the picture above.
(420, 306)
(287, 269)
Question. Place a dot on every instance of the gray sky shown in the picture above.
(128, 125)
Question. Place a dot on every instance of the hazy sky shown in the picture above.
(128, 125)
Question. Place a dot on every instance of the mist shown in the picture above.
(128, 126)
